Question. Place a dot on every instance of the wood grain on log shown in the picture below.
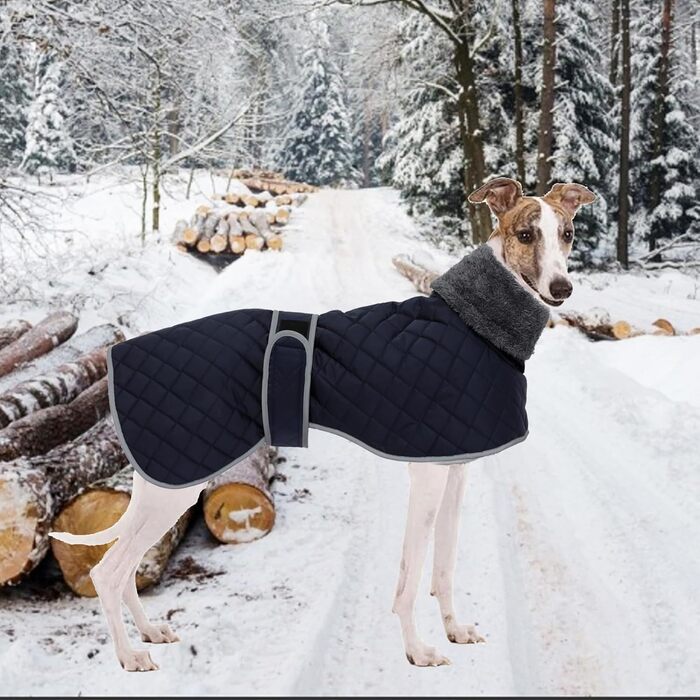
(39, 432)
(39, 340)
(33, 490)
(58, 386)
(238, 504)
(96, 508)
(12, 330)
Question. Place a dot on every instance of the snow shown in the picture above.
(578, 557)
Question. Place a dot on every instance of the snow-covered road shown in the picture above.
(580, 549)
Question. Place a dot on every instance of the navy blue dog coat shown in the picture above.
(409, 380)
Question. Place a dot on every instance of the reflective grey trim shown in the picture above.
(132, 459)
(307, 379)
(308, 345)
(453, 459)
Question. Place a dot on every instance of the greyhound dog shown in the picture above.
(532, 241)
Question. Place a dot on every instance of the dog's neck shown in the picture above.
(490, 299)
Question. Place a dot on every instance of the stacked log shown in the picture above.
(39, 432)
(54, 435)
(33, 490)
(39, 340)
(240, 221)
(12, 330)
(61, 463)
(238, 504)
(59, 386)
(96, 508)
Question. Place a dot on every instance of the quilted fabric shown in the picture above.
(407, 380)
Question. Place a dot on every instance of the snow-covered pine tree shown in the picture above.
(14, 104)
(675, 180)
(48, 144)
(584, 135)
(422, 154)
(677, 164)
(318, 146)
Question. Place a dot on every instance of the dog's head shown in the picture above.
(535, 234)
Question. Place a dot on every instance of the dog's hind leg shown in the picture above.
(445, 555)
(152, 511)
(155, 634)
(427, 487)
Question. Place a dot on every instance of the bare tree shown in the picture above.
(453, 19)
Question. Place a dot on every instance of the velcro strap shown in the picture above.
(287, 378)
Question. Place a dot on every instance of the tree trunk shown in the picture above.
(33, 490)
(12, 330)
(518, 93)
(238, 504)
(614, 40)
(97, 508)
(472, 144)
(70, 351)
(39, 432)
(660, 114)
(623, 190)
(60, 386)
(156, 150)
(546, 135)
(144, 201)
(45, 336)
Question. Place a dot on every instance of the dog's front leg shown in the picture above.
(427, 487)
(445, 555)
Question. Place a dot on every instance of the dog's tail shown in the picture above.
(101, 537)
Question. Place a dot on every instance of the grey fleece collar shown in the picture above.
(489, 300)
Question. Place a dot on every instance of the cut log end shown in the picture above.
(621, 330)
(18, 524)
(274, 243)
(95, 509)
(237, 244)
(237, 513)
(253, 242)
(91, 512)
(663, 327)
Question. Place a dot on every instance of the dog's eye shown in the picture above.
(568, 235)
(524, 235)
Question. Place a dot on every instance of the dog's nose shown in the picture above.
(560, 288)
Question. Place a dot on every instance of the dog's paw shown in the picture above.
(138, 661)
(464, 634)
(159, 634)
(426, 656)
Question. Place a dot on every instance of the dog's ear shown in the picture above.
(571, 196)
(500, 194)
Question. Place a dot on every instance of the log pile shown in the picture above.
(595, 324)
(62, 466)
(270, 181)
(54, 437)
(96, 508)
(250, 219)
